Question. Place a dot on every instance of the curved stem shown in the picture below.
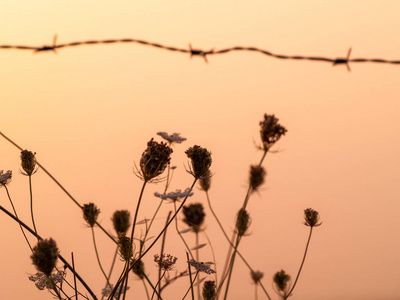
(31, 201)
(231, 267)
(213, 254)
(197, 259)
(302, 263)
(180, 234)
(161, 256)
(98, 257)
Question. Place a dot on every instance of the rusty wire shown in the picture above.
(199, 52)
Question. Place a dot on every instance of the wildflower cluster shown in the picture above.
(43, 281)
(200, 161)
(165, 261)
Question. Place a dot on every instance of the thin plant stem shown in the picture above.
(73, 266)
(15, 212)
(213, 254)
(302, 263)
(180, 234)
(97, 256)
(197, 259)
(152, 286)
(59, 184)
(55, 288)
(231, 267)
(190, 278)
(255, 292)
(191, 286)
(146, 290)
(158, 284)
(111, 269)
(161, 255)
(66, 264)
(31, 202)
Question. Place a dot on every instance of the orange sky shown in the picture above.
(89, 111)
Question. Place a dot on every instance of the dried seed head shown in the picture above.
(90, 213)
(242, 222)
(209, 290)
(125, 247)
(256, 276)
(154, 160)
(257, 174)
(121, 220)
(44, 256)
(194, 216)
(28, 162)
(282, 283)
(166, 261)
(311, 218)
(5, 178)
(205, 181)
(270, 131)
(200, 161)
(138, 268)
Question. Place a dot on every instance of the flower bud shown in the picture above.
(200, 161)
(257, 174)
(194, 216)
(282, 283)
(205, 181)
(44, 256)
(28, 162)
(125, 247)
(121, 220)
(90, 213)
(242, 222)
(209, 290)
(311, 217)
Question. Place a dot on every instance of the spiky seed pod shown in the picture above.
(44, 256)
(121, 220)
(257, 174)
(205, 181)
(194, 216)
(281, 281)
(256, 276)
(311, 217)
(125, 247)
(271, 131)
(200, 161)
(209, 290)
(154, 160)
(242, 222)
(90, 213)
(138, 268)
(28, 162)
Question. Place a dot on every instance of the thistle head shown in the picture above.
(194, 216)
(44, 256)
(242, 222)
(121, 220)
(257, 174)
(209, 290)
(5, 178)
(28, 162)
(90, 213)
(311, 218)
(154, 160)
(200, 159)
(282, 283)
(138, 268)
(271, 131)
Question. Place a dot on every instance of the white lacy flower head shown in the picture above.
(42, 281)
(200, 266)
(172, 138)
(174, 196)
(5, 178)
(107, 291)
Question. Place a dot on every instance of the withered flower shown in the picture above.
(125, 247)
(311, 218)
(121, 220)
(28, 162)
(205, 181)
(209, 290)
(200, 161)
(242, 222)
(282, 283)
(271, 131)
(90, 213)
(44, 256)
(166, 261)
(194, 216)
(257, 174)
(256, 276)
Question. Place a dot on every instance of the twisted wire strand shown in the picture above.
(202, 53)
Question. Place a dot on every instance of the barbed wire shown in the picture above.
(199, 52)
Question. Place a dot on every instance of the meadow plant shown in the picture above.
(133, 248)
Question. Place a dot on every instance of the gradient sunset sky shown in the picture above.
(89, 111)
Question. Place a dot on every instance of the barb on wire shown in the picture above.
(199, 52)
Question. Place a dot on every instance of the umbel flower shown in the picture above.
(200, 161)
(28, 162)
(166, 261)
(282, 283)
(271, 131)
(154, 160)
(43, 281)
(90, 213)
(172, 138)
(311, 218)
(175, 196)
(257, 174)
(5, 178)
(200, 266)
(44, 256)
(121, 220)
(209, 290)
(242, 222)
(194, 216)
